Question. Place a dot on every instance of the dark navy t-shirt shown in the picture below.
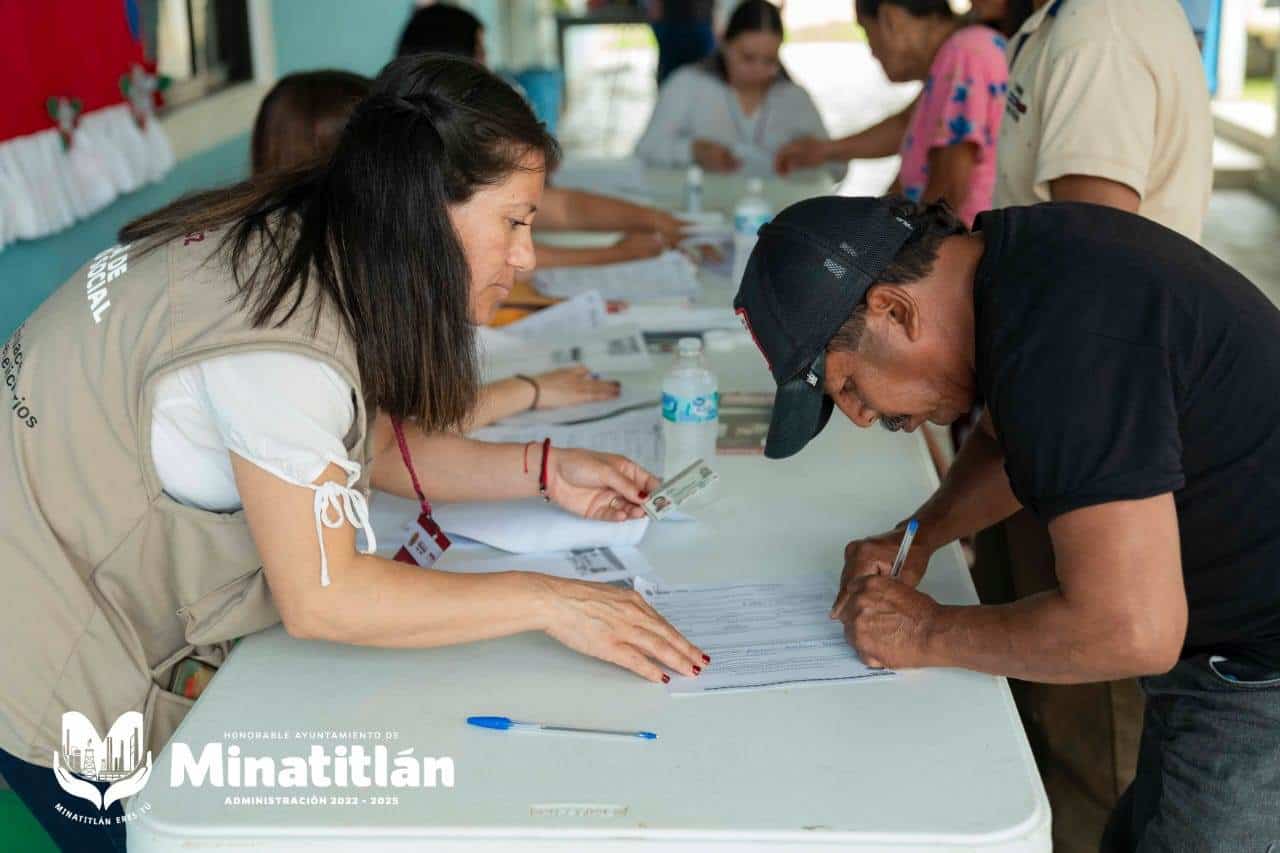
(1120, 360)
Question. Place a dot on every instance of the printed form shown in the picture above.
(759, 635)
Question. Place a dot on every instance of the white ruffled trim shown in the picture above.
(44, 188)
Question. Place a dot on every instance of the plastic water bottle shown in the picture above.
(752, 212)
(690, 408)
(693, 189)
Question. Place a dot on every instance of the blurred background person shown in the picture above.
(1007, 16)
(298, 125)
(730, 112)
(647, 231)
(947, 138)
(684, 32)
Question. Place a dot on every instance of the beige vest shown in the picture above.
(108, 582)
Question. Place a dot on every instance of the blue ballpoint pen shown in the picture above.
(508, 724)
(912, 527)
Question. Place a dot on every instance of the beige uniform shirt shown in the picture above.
(1113, 89)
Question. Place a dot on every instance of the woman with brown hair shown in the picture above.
(323, 319)
(299, 122)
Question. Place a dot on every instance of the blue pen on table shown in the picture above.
(508, 724)
(912, 527)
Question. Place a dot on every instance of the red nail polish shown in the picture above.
(706, 658)
(666, 679)
(644, 495)
(697, 670)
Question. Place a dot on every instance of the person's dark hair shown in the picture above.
(441, 28)
(1015, 15)
(750, 16)
(370, 228)
(930, 225)
(918, 8)
(302, 116)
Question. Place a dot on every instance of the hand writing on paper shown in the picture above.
(603, 486)
(888, 622)
(874, 556)
(619, 626)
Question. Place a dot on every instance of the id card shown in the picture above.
(427, 542)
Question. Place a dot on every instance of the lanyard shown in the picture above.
(408, 463)
(735, 107)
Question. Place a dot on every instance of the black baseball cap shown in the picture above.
(810, 268)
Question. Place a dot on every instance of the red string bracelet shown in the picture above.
(542, 477)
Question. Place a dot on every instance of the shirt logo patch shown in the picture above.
(1014, 106)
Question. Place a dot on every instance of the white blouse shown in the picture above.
(695, 103)
(284, 412)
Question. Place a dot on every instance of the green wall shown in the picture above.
(356, 36)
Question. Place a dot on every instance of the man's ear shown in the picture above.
(894, 307)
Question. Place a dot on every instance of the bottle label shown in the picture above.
(691, 410)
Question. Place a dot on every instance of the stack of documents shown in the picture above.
(670, 276)
(759, 635)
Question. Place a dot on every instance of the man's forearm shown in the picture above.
(974, 495)
(1040, 638)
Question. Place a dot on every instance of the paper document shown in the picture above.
(608, 350)
(632, 398)
(520, 527)
(669, 276)
(744, 421)
(759, 634)
(602, 565)
(584, 311)
(636, 435)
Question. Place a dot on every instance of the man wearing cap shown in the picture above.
(1132, 405)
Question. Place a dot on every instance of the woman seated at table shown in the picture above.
(947, 139)
(730, 112)
(208, 404)
(298, 123)
(647, 231)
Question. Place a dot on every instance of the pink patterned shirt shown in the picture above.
(962, 101)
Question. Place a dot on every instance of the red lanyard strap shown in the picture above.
(408, 463)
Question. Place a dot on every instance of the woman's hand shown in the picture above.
(572, 386)
(602, 486)
(714, 157)
(637, 245)
(619, 626)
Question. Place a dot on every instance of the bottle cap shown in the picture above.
(755, 186)
(689, 346)
(694, 175)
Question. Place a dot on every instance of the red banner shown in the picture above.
(62, 48)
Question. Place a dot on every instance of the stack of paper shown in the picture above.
(670, 276)
(608, 350)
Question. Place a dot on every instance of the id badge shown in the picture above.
(426, 543)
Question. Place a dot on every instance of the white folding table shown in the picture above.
(927, 760)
